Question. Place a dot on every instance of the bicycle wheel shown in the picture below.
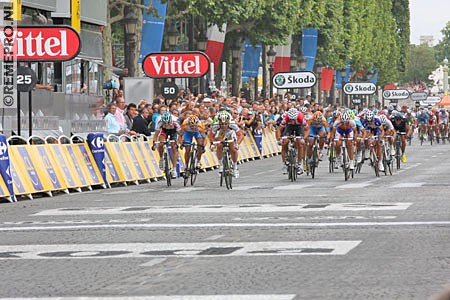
(167, 169)
(431, 137)
(398, 155)
(227, 171)
(291, 166)
(192, 167)
(331, 159)
(345, 162)
(375, 163)
(314, 160)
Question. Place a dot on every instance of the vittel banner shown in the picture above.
(5, 167)
(41, 43)
(176, 64)
(294, 80)
(395, 94)
(97, 146)
(359, 88)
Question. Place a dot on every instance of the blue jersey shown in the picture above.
(376, 124)
(422, 117)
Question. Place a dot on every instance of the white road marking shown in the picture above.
(278, 218)
(224, 225)
(185, 190)
(153, 262)
(231, 208)
(214, 237)
(292, 187)
(245, 187)
(128, 191)
(408, 185)
(353, 185)
(172, 250)
(174, 297)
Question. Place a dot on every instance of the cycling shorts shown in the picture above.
(293, 129)
(170, 134)
(313, 131)
(188, 135)
(344, 133)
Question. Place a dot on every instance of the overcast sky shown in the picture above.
(428, 17)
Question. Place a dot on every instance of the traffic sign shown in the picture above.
(26, 79)
(169, 90)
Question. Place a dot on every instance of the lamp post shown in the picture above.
(130, 22)
(201, 46)
(319, 67)
(270, 60)
(172, 35)
(302, 65)
(343, 74)
(445, 78)
(235, 53)
(294, 64)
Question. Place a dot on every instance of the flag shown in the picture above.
(326, 79)
(214, 45)
(309, 47)
(152, 29)
(283, 58)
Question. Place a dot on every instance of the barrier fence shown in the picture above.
(73, 164)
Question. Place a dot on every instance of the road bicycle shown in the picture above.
(168, 164)
(431, 134)
(388, 163)
(360, 163)
(374, 162)
(331, 153)
(191, 170)
(345, 158)
(227, 163)
(313, 162)
(443, 131)
(421, 134)
(398, 149)
(291, 157)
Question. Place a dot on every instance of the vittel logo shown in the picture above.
(176, 64)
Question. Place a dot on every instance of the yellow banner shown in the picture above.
(17, 9)
(76, 15)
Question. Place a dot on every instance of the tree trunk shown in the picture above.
(107, 49)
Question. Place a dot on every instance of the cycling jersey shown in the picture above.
(317, 126)
(344, 129)
(422, 117)
(168, 129)
(190, 131)
(443, 118)
(374, 126)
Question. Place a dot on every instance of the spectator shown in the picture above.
(130, 115)
(120, 111)
(112, 124)
(140, 123)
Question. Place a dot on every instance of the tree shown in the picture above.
(421, 63)
(443, 47)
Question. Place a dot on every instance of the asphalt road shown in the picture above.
(267, 239)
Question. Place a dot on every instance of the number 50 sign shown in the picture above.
(26, 79)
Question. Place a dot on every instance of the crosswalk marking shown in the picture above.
(223, 225)
(176, 250)
(292, 187)
(230, 208)
(174, 297)
(408, 185)
(354, 185)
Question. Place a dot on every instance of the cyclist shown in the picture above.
(401, 126)
(373, 127)
(167, 129)
(360, 130)
(344, 127)
(193, 127)
(226, 129)
(422, 121)
(432, 122)
(389, 131)
(293, 123)
(443, 123)
(317, 126)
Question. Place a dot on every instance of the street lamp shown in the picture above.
(172, 35)
(294, 62)
(130, 22)
(319, 67)
(302, 63)
(343, 74)
(445, 77)
(201, 46)
(270, 60)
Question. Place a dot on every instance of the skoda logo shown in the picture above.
(348, 88)
(386, 94)
(280, 80)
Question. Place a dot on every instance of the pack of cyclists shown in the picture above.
(330, 127)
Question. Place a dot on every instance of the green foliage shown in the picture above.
(443, 47)
(421, 63)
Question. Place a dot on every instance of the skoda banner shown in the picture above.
(395, 94)
(359, 88)
(97, 146)
(5, 167)
(294, 80)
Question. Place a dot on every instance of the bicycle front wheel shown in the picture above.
(192, 166)
(227, 171)
(167, 169)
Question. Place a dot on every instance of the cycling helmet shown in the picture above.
(383, 119)
(303, 109)
(292, 113)
(193, 120)
(375, 112)
(167, 117)
(369, 116)
(317, 115)
(224, 118)
(336, 114)
(394, 112)
(345, 116)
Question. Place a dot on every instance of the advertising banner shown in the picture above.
(96, 144)
(5, 166)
